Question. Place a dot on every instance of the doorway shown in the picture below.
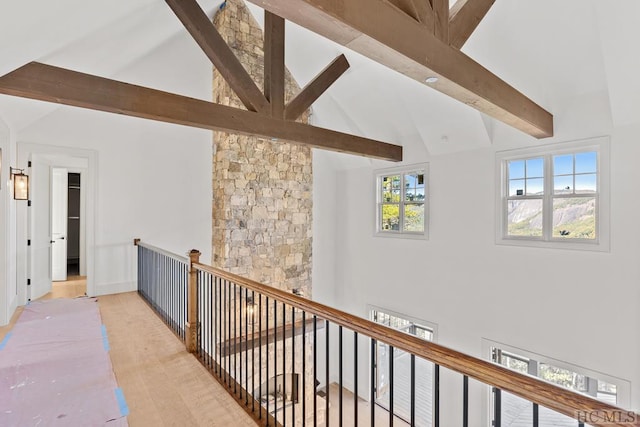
(35, 223)
(67, 221)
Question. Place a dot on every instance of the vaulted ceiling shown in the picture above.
(575, 58)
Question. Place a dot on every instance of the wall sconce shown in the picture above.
(20, 184)
(252, 309)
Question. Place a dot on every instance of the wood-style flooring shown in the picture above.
(162, 383)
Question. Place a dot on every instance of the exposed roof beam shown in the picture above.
(465, 17)
(420, 10)
(385, 34)
(316, 87)
(441, 19)
(58, 85)
(224, 60)
(274, 71)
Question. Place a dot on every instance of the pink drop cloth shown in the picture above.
(55, 368)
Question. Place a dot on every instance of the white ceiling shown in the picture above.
(574, 57)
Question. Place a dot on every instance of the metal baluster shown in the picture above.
(391, 350)
(355, 379)
(240, 344)
(267, 349)
(284, 364)
(227, 344)
(275, 359)
(340, 375)
(304, 369)
(465, 401)
(536, 415)
(436, 400)
(216, 325)
(372, 385)
(497, 416)
(235, 340)
(315, 373)
(293, 366)
(413, 390)
(326, 403)
(253, 352)
(260, 354)
(246, 348)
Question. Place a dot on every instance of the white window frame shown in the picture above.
(623, 386)
(601, 242)
(378, 186)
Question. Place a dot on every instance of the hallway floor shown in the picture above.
(162, 383)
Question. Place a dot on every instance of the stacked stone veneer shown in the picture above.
(262, 202)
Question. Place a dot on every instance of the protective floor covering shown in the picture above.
(55, 368)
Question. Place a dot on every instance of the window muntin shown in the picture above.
(401, 195)
(570, 208)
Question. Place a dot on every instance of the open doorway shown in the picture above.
(68, 272)
(39, 227)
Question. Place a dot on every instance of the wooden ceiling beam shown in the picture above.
(387, 35)
(224, 60)
(316, 87)
(58, 85)
(441, 19)
(274, 70)
(465, 17)
(420, 10)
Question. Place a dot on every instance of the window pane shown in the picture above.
(563, 165)
(516, 169)
(516, 187)
(414, 217)
(586, 162)
(524, 218)
(535, 168)
(563, 377)
(390, 217)
(574, 218)
(586, 183)
(414, 186)
(563, 184)
(395, 181)
(535, 187)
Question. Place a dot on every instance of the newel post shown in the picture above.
(191, 330)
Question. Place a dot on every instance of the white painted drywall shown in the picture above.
(576, 306)
(153, 179)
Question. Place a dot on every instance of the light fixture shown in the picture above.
(431, 79)
(20, 184)
(252, 309)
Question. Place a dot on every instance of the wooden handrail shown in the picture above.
(182, 259)
(525, 386)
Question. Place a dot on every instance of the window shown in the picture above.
(402, 202)
(555, 196)
(517, 411)
(424, 371)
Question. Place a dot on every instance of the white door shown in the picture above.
(40, 233)
(59, 206)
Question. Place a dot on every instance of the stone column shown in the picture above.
(262, 201)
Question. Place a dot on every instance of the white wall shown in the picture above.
(153, 179)
(577, 306)
(7, 272)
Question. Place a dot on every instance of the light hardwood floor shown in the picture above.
(162, 383)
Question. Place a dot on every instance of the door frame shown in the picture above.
(73, 159)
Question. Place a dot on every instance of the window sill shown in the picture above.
(555, 244)
(409, 236)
